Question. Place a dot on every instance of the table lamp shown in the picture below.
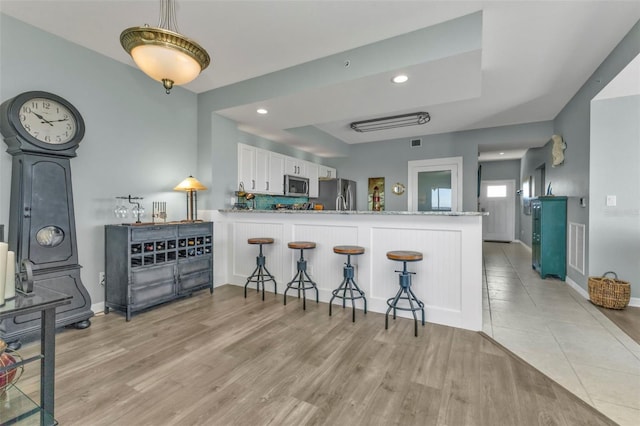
(191, 185)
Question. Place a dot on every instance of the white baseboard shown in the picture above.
(574, 285)
(635, 301)
(97, 307)
(524, 245)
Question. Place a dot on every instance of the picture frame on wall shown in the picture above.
(376, 194)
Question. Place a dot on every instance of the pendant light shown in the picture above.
(162, 52)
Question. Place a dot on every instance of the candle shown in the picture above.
(10, 284)
(4, 248)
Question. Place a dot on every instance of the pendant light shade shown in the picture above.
(164, 54)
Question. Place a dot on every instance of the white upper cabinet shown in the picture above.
(295, 166)
(247, 166)
(262, 171)
(325, 172)
(276, 173)
(312, 174)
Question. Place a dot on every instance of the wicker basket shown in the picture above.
(609, 292)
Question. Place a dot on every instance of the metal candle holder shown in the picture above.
(159, 211)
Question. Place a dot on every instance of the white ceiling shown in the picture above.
(534, 57)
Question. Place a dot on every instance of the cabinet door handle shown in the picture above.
(253, 184)
(267, 186)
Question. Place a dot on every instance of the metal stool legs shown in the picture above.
(414, 303)
(302, 281)
(260, 275)
(348, 283)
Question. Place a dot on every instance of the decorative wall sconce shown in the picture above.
(398, 188)
(191, 185)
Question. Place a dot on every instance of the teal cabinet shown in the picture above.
(549, 236)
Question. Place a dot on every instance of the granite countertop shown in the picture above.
(355, 212)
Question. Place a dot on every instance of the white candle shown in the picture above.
(4, 248)
(10, 285)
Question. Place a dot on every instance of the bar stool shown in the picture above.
(301, 280)
(405, 288)
(261, 274)
(348, 282)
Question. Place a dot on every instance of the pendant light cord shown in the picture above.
(168, 18)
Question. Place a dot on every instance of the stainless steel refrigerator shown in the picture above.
(337, 194)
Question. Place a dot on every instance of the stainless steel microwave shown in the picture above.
(296, 186)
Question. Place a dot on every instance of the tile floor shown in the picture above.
(555, 329)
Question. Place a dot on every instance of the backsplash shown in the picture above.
(265, 202)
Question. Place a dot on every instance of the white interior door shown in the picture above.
(498, 198)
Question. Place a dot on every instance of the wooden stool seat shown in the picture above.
(302, 245)
(348, 249)
(260, 241)
(404, 255)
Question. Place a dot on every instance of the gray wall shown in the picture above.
(614, 232)
(505, 170)
(389, 159)
(138, 140)
(573, 123)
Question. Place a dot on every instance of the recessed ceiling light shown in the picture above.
(261, 111)
(502, 153)
(400, 78)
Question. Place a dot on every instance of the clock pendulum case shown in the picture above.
(42, 132)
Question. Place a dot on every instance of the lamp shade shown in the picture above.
(190, 184)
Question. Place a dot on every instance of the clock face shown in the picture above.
(48, 120)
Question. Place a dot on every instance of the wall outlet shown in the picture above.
(101, 278)
(611, 201)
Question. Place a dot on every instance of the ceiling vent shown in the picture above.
(416, 143)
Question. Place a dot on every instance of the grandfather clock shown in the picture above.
(42, 132)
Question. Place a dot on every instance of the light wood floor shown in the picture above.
(226, 360)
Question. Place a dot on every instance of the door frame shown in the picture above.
(452, 164)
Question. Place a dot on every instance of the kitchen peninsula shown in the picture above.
(448, 280)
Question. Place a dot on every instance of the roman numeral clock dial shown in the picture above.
(42, 132)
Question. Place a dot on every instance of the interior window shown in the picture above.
(496, 191)
(441, 199)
